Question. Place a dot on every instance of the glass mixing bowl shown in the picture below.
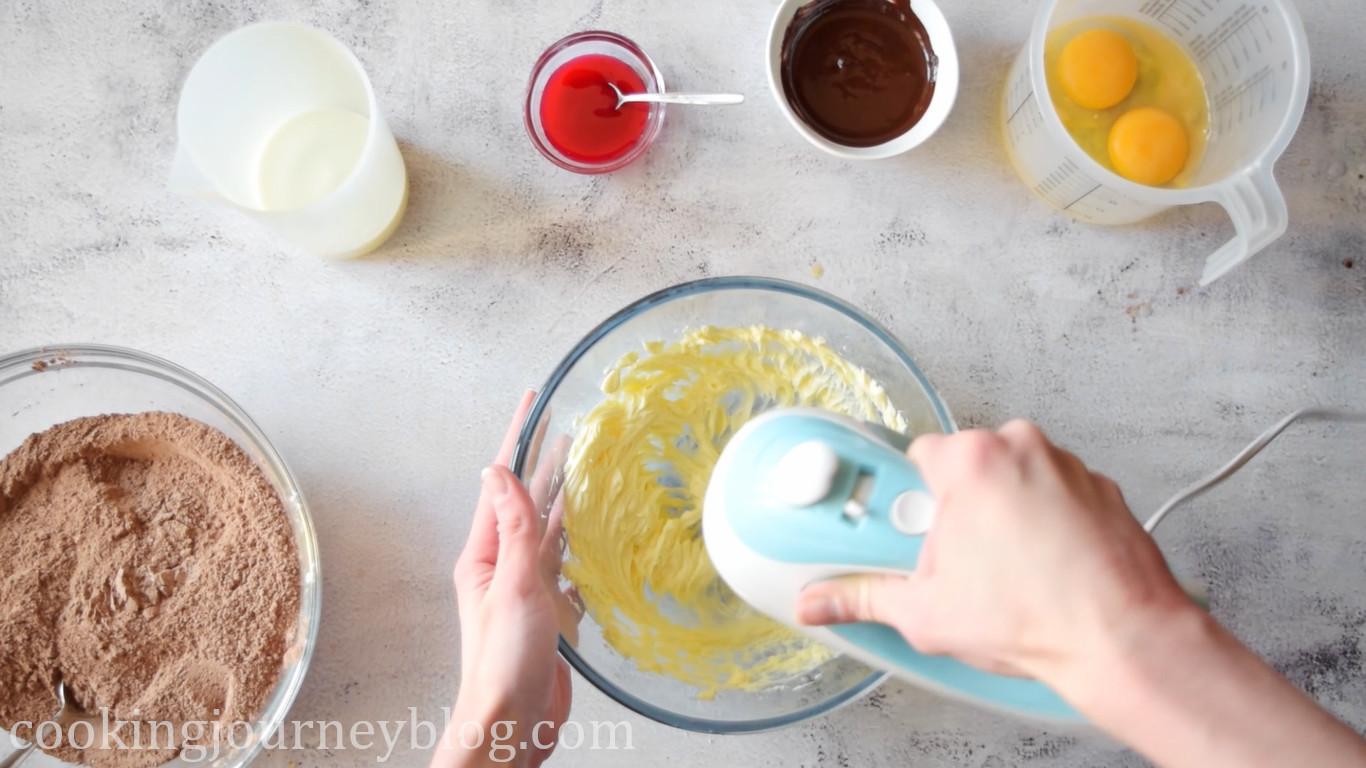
(574, 388)
(49, 385)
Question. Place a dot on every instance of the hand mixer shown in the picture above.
(801, 495)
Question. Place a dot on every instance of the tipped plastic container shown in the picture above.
(279, 121)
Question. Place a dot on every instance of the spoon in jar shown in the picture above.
(693, 99)
(67, 713)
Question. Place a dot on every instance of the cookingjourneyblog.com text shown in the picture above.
(204, 741)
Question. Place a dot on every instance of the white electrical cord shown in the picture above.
(1245, 455)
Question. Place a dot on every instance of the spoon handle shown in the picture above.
(18, 757)
(696, 99)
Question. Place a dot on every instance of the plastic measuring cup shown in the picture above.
(278, 120)
(1254, 59)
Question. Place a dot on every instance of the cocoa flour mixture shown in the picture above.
(147, 562)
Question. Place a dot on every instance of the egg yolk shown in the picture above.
(1149, 146)
(1098, 68)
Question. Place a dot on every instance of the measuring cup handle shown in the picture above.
(1255, 204)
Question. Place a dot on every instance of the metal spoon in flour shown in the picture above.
(693, 99)
(67, 713)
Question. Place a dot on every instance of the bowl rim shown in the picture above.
(541, 404)
(36, 361)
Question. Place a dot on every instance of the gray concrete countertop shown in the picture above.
(387, 381)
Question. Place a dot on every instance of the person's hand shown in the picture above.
(514, 688)
(1033, 564)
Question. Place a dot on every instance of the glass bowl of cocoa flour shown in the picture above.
(123, 412)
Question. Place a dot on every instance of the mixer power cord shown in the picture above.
(1245, 455)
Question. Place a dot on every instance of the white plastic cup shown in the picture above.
(1254, 58)
(941, 102)
(278, 120)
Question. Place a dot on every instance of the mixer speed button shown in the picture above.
(913, 513)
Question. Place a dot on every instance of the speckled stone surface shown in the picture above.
(387, 381)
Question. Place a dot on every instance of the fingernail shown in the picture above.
(817, 609)
(493, 482)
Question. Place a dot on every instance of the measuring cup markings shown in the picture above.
(1064, 185)
(1254, 60)
(1218, 47)
(1163, 11)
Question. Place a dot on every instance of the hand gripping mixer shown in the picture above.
(801, 495)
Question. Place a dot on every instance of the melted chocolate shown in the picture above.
(859, 72)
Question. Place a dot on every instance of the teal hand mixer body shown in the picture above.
(800, 496)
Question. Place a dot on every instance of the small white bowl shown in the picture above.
(941, 103)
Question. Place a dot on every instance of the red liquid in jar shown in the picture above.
(579, 114)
